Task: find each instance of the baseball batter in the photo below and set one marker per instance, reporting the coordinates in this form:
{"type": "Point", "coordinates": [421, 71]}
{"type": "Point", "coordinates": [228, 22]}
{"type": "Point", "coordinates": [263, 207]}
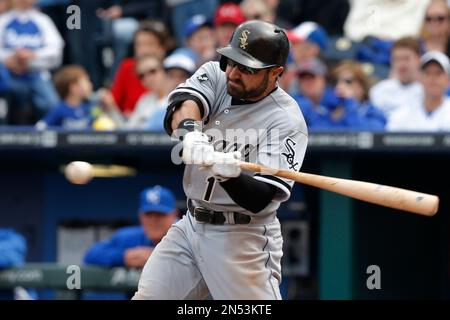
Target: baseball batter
{"type": "Point", "coordinates": [229, 243]}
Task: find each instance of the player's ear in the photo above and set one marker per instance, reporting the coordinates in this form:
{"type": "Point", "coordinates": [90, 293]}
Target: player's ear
{"type": "Point", "coordinates": [277, 72]}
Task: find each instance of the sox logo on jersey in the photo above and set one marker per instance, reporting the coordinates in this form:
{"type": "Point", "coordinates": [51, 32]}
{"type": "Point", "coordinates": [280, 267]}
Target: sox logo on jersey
{"type": "Point", "coordinates": [290, 155]}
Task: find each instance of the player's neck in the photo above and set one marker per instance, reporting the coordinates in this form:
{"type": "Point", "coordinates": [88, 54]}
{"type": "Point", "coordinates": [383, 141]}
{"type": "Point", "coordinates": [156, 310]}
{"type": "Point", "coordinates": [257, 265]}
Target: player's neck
{"type": "Point", "coordinates": [73, 101]}
{"type": "Point", "coordinates": [432, 103]}
{"type": "Point", "coordinates": [266, 92]}
{"type": "Point", "coordinates": [437, 43]}
{"type": "Point", "coordinates": [407, 81]}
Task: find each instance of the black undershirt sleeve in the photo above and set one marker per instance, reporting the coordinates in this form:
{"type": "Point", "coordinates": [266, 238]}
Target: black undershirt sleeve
{"type": "Point", "coordinates": [249, 193]}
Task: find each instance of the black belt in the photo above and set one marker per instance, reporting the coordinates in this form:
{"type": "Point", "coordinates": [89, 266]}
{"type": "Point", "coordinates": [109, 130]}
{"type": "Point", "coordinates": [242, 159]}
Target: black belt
{"type": "Point", "coordinates": [215, 217]}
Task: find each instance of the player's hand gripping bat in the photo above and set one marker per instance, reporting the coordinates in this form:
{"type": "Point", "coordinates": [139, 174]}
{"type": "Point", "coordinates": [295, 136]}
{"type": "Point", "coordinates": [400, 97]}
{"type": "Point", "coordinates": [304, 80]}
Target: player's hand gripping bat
{"type": "Point", "coordinates": [407, 200]}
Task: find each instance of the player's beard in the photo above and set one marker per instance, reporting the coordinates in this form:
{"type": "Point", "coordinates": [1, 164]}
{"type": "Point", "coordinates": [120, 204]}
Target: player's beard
{"type": "Point", "coordinates": [242, 93]}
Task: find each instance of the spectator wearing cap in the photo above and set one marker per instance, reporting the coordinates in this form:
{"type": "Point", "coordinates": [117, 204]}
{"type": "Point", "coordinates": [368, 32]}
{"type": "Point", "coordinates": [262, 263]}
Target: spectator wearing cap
{"type": "Point", "coordinates": [308, 41]}
{"type": "Point", "coordinates": [312, 80]}
{"type": "Point", "coordinates": [432, 112]}
{"type": "Point", "coordinates": [131, 246]}
{"type": "Point", "coordinates": [403, 87]}
{"type": "Point", "coordinates": [178, 68]}
{"type": "Point", "coordinates": [199, 39]}
{"type": "Point", "coordinates": [338, 108]}
{"type": "Point", "coordinates": [152, 38]}
{"type": "Point", "coordinates": [182, 10]}
{"type": "Point", "coordinates": [226, 18]}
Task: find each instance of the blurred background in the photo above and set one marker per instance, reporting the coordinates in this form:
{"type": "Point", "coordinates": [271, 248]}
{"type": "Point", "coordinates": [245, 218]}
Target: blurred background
{"type": "Point", "coordinates": [88, 80]}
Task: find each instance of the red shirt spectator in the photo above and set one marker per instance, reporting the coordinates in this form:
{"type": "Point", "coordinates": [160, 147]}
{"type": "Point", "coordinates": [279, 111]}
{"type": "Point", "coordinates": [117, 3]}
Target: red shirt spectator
{"type": "Point", "coordinates": [127, 88]}
{"type": "Point", "coordinates": [151, 38]}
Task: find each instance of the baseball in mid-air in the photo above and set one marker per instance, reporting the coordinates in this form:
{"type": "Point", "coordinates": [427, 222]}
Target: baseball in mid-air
{"type": "Point", "coordinates": [79, 172]}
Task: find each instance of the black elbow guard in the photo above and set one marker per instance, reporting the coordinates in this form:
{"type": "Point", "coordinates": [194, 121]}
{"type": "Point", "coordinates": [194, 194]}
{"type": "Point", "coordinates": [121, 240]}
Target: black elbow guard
{"type": "Point", "coordinates": [175, 104]}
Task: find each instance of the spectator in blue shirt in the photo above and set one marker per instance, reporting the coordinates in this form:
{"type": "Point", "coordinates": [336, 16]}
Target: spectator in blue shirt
{"type": "Point", "coordinates": [13, 248]}
{"type": "Point", "coordinates": [73, 111]}
{"type": "Point", "coordinates": [343, 107]}
{"type": "Point", "coordinates": [308, 41]}
{"type": "Point", "coordinates": [132, 246]}
{"type": "Point", "coordinates": [352, 89]}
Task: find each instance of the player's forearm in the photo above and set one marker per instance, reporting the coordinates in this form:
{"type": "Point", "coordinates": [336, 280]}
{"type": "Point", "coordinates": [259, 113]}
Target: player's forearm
{"type": "Point", "coordinates": [249, 193]}
{"type": "Point", "coordinates": [188, 110]}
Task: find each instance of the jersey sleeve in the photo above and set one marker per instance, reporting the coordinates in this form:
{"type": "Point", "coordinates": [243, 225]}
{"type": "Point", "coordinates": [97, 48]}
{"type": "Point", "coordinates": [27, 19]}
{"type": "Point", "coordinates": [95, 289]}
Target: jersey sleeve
{"type": "Point", "coordinates": [203, 85]}
{"type": "Point", "coordinates": [50, 55]}
{"type": "Point", "coordinates": [108, 253]}
{"type": "Point", "coordinates": [284, 150]}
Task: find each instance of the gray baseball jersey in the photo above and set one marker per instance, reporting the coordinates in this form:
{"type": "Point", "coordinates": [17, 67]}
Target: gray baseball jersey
{"type": "Point", "coordinates": [229, 261]}
{"type": "Point", "coordinates": [271, 132]}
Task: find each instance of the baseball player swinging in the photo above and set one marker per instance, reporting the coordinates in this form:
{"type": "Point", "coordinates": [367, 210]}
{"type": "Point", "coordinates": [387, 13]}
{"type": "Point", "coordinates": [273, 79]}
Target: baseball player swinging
{"type": "Point", "coordinates": [229, 243]}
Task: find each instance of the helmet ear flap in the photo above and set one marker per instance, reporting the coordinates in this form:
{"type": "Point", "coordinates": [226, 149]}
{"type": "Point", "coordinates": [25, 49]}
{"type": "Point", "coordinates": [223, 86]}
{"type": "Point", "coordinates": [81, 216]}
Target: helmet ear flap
{"type": "Point", "coordinates": [223, 63]}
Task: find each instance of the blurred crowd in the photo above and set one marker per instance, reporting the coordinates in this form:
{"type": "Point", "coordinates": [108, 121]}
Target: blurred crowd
{"type": "Point", "coordinates": [128, 247]}
{"type": "Point", "coordinates": [354, 65]}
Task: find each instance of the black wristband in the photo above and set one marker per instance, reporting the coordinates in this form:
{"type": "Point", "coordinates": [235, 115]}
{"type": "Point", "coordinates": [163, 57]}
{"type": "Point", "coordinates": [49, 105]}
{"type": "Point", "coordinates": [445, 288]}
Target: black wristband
{"type": "Point", "coordinates": [185, 126]}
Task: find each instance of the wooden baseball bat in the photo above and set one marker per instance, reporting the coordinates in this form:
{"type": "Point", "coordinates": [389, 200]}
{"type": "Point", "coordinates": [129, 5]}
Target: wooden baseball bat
{"type": "Point", "coordinates": [392, 197]}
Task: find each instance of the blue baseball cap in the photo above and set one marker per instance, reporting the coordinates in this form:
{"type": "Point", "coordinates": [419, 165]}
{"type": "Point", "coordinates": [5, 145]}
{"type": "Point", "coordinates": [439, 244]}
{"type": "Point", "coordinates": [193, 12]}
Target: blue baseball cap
{"type": "Point", "coordinates": [195, 23]}
{"type": "Point", "coordinates": [157, 199]}
{"type": "Point", "coordinates": [309, 31]}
